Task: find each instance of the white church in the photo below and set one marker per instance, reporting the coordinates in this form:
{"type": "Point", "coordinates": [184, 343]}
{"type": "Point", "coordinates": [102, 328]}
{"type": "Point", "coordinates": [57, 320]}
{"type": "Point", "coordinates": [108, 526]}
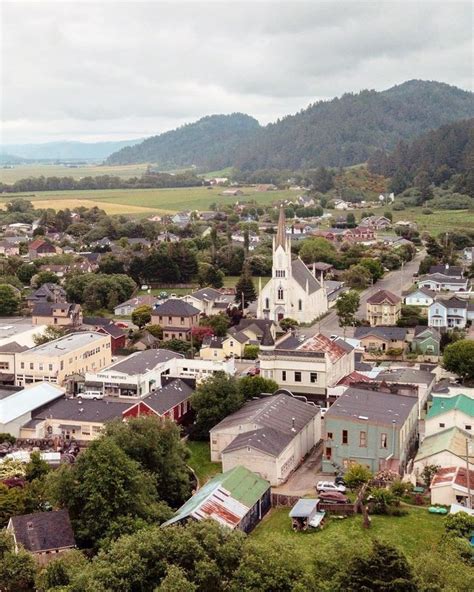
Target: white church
{"type": "Point", "coordinates": [293, 291]}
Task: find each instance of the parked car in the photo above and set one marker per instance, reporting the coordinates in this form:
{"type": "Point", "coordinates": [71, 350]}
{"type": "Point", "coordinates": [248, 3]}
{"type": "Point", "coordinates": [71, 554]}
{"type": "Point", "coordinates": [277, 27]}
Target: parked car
{"type": "Point", "coordinates": [339, 480]}
{"type": "Point", "coordinates": [333, 497]}
{"type": "Point", "coordinates": [253, 372]}
{"type": "Point", "coordinates": [95, 395]}
{"type": "Point", "coordinates": [330, 486]}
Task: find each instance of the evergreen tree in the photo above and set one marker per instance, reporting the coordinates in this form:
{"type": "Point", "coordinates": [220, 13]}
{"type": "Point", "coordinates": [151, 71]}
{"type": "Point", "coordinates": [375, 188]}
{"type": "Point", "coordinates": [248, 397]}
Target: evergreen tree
{"type": "Point", "coordinates": [245, 289]}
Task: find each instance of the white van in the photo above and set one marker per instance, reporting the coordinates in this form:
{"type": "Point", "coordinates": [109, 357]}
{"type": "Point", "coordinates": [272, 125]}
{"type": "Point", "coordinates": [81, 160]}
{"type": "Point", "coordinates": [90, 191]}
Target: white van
{"type": "Point", "coordinates": [96, 395]}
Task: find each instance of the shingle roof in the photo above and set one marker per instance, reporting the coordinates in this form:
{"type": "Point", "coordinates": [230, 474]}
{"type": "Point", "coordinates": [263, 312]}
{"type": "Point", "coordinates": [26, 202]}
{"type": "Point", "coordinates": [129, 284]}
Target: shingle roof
{"type": "Point", "coordinates": [78, 409]}
{"type": "Point", "coordinates": [266, 440]}
{"type": "Point", "coordinates": [45, 309]}
{"type": "Point", "coordinates": [372, 406]}
{"type": "Point", "coordinates": [383, 296]}
{"type": "Point", "coordinates": [206, 294]}
{"type": "Point", "coordinates": [276, 411]}
{"type": "Point", "coordinates": [168, 396]}
{"type": "Point", "coordinates": [382, 332]}
{"type": "Point", "coordinates": [213, 341]}
{"type": "Point", "coordinates": [304, 276]}
{"type": "Point", "coordinates": [141, 362]}
{"type": "Point", "coordinates": [406, 376]}
{"type": "Point", "coordinates": [444, 404]}
{"type": "Point", "coordinates": [420, 329]}
{"type": "Point", "coordinates": [439, 278]}
{"type": "Point", "coordinates": [175, 307]}
{"type": "Point", "coordinates": [13, 347]}
{"type": "Point", "coordinates": [43, 531]}
{"type": "Point", "coordinates": [451, 271]}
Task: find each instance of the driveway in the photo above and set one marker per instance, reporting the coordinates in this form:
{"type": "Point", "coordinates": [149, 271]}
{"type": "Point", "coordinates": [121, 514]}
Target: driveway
{"type": "Point", "coordinates": [304, 479]}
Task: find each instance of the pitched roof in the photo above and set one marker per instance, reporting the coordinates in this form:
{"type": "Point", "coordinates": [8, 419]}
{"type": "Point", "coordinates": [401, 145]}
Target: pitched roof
{"type": "Point", "coordinates": [26, 400]}
{"type": "Point", "coordinates": [280, 240]}
{"type": "Point", "coordinates": [266, 440]}
{"type": "Point", "coordinates": [445, 404]}
{"type": "Point", "coordinates": [454, 476]}
{"type": "Point", "coordinates": [383, 296]}
{"type": "Point", "coordinates": [226, 498]}
{"type": "Point", "coordinates": [213, 341]}
{"type": "Point", "coordinates": [320, 343]}
{"type": "Point", "coordinates": [371, 406]}
{"type": "Point", "coordinates": [452, 440]}
{"type": "Point", "coordinates": [421, 329]}
{"type": "Point", "coordinates": [43, 531]}
{"type": "Point", "coordinates": [406, 376]}
{"type": "Point", "coordinates": [13, 347]}
{"type": "Point", "coordinates": [206, 294]}
{"type": "Point", "coordinates": [449, 270]}
{"type": "Point", "coordinates": [141, 362]}
{"type": "Point", "coordinates": [174, 307]}
{"type": "Point", "coordinates": [168, 396]}
{"type": "Point", "coordinates": [441, 278]}
{"type": "Point", "coordinates": [382, 332]}
{"type": "Point", "coordinates": [46, 309]}
{"type": "Point", "coordinates": [267, 338]}
{"type": "Point", "coordinates": [80, 410]}
{"type": "Point", "coordinates": [303, 276]}
{"type": "Point", "coordinates": [275, 411]}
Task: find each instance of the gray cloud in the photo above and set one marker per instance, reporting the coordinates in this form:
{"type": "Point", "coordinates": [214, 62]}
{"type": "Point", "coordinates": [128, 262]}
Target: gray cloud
{"type": "Point", "coordinates": [111, 69]}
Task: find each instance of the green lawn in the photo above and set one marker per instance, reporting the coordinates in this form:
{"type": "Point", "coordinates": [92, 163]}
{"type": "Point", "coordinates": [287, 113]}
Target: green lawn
{"type": "Point", "coordinates": [410, 533]}
{"type": "Point", "coordinates": [229, 282]}
{"type": "Point", "coordinates": [435, 223]}
{"type": "Point", "coordinates": [200, 461]}
{"type": "Point", "coordinates": [24, 171]}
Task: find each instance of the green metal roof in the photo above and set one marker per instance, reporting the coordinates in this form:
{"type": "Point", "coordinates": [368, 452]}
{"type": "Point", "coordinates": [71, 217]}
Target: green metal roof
{"type": "Point", "coordinates": [444, 404]}
{"type": "Point", "coordinates": [452, 439]}
{"type": "Point", "coordinates": [243, 486]}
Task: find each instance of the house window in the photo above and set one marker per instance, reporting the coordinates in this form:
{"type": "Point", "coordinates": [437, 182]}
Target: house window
{"type": "Point", "coordinates": [467, 427]}
{"type": "Point", "coordinates": [4, 366]}
{"type": "Point", "coordinates": [280, 294]}
{"type": "Point", "coordinates": [313, 377]}
{"type": "Point", "coordinates": [50, 367]}
{"type": "Point", "coordinates": [31, 365]}
{"type": "Point", "coordinates": [297, 376]}
{"type": "Point", "coordinates": [170, 320]}
{"type": "Point", "coordinates": [363, 439]}
{"type": "Point", "coordinates": [442, 425]}
{"type": "Point", "coordinates": [300, 304]}
{"type": "Point", "coordinates": [231, 344]}
{"type": "Point", "coordinates": [182, 320]}
{"type": "Point", "coordinates": [22, 365]}
{"type": "Point", "coordinates": [329, 436]}
{"type": "Point", "coordinates": [328, 453]}
{"type": "Point", "coordinates": [383, 441]}
{"type": "Point", "coordinates": [345, 437]}
{"type": "Point", "coordinates": [283, 374]}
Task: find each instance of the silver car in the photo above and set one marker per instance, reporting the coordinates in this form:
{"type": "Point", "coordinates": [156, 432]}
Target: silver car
{"type": "Point", "coordinates": [330, 486]}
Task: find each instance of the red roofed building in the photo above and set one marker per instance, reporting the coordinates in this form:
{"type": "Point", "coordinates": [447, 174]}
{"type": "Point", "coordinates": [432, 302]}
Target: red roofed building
{"type": "Point", "coordinates": [383, 308]}
{"type": "Point", "coordinates": [41, 248]}
{"type": "Point", "coordinates": [450, 486]}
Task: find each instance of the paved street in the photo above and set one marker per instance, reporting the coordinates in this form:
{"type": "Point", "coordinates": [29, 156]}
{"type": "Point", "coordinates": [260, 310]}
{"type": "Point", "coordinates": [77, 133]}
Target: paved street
{"type": "Point", "coordinates": [395, 281]}
{"type": "Point", "coordinates": [304, 479]}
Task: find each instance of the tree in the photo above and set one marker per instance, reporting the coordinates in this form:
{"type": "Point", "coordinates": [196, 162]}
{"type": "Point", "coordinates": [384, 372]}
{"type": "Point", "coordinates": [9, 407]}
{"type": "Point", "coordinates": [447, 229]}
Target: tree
{"type": "Point", "coordinates": [287, 324]}
{"type": "Point", "coordinates": [25, 272]}
{"type": "Point", "coordinates": [251, 352]}
{"type": "Point", "coordinates": [105, 491]}
{"type": "Point", "coordinates": [350, 220]}
{"type": "Point", "coordinates": [200, 333]}
{"type": "Point", "coordinates": [357, 276]}
{"type": "Point", "coordinates": [317, 249]}
{"type": "Point", "coordinates": [177, 345]}
{"type": "Point", "coordinates": [44, 277]}
{"type": "Point", "coordinates": [459, 525]}
{"type": "Point", "coordinates": [49, 334]}
{"type": "Point", "coordinates": [385, 569]}
{"type": "Point", "coordinates": [62, 571]}
{"type": "Point", "coordinates": [428, 472]}
{"type": "Point", "coordinates": [156, 445]}
{"type": "Point", "coordinates": [374, 266]}
{"type": "Point", "coordinates": [253, 386]}
{"type": "Point", "coordinates": [141, 316]}
{"type": "Point", "coordinates": [356, 476]}
{"type": "Point", "coordinates": [155, 330]}
{"type": "Point", "coordinates": [211, 276]}
{"type": "Point", "coordinates": [214, 399]}
{"type": "Point", "coordinates": [219, 324]}
{"type": "Point", "coordinates": [17, 569]}
{"type": "Point", "coordinates": [245, 290]}
{"type": "Point", "coordinates": [36, 468]}
{"type": "Point", "coordinates": [433, 248]}
{"type": "Point", "coordinates": [459, 358]}
{"type": "Point", "coordinates": [346, 306]}
{"type": "Point", "coordinates": [9, 302]}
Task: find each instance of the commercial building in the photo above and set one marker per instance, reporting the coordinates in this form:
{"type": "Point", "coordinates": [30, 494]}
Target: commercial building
{"type": "Point", "coordinates": [269, 436]}
{"type": "Point", "coordinates": [55, 361]}
{"type": "Point", "coordinates": [375, 429]}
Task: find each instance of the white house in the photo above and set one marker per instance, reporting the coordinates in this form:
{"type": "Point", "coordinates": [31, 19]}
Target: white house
{"type": "Point", "coordinates": [293, 291]}
{"type": "Point", "coordinates": [446, 448]}
{"type": "Point", "coordinates": [208, 301]}
{"type": "Point", "coordinates": [449, 412]}
{"type": "Point", "coordinates": [448, 313]}
{"type": "Point", "coordinates": [438, 282]}
{"type": "Point", "coordinates": [450, 486]}
{"type": "Point", "coordinates": [270, 436]}
{"type": "Point", "coordinates": [421, 297]}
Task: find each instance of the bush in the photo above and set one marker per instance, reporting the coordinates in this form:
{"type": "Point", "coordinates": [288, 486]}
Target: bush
{"type": "Point", "coordinates": [251, 352]}
{"type": "Point", "coordinates": [400, 488]}
{"type": "Point", "coordinates": [4, 437]}
{"type": "Point", "coordinates": [427, 211]}
{"type": "Point", "coordinates": [356, 476]}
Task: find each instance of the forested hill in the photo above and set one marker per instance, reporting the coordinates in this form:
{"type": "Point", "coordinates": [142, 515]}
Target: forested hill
{"type": "Point", "coordinates": [340, 132]}
{"type": "Point", "coordinates": [211, 142]}
{"type": "Point", "coordinates": [437, 155]}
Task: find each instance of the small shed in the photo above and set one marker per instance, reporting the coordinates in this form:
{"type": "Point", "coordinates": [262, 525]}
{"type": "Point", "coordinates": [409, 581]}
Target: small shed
{"type": "Point", "coordinates": [305, 513]}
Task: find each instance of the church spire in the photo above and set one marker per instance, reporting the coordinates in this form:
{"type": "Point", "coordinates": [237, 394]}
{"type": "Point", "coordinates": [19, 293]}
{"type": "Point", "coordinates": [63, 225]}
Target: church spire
{"type": "Point", "coordinates": [281, 230]}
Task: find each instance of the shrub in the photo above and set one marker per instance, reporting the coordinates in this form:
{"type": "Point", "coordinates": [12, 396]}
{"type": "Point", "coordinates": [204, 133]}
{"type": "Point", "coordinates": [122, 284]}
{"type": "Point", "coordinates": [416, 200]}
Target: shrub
{"type": "Point", "coordinates": [251, 352]}
{"type": "Point", "coordinates": [356, 476]}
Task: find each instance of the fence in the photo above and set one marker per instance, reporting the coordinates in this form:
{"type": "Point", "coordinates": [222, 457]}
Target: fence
{"type": "Point", "coordinates": [345, 509]}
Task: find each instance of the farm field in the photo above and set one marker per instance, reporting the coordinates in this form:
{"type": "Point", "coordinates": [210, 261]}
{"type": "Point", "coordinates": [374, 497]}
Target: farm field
{"type": "Point", "coordinates": [23, 171]}
{"type": "Point", "coordinates": [410, 533]}
{"type": "Point", "coordinates": [157, 200]}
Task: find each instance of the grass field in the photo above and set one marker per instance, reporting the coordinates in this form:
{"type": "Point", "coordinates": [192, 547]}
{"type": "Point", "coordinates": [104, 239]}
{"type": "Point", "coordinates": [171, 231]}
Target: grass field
{"type": "Point", "coordinates": [229, 282]}
{"type": "Point", "coordinates": [157, 200]}
{"type": "Point", "coordinates": [24, 171]}
{"type": "Point", "coordinates": [410, 533]}
{"type": "Point", "coordinates": [200, 461]}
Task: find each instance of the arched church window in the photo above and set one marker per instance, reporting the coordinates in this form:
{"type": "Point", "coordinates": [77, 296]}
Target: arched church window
{"type": "Point", "coordinates": [280, 294]}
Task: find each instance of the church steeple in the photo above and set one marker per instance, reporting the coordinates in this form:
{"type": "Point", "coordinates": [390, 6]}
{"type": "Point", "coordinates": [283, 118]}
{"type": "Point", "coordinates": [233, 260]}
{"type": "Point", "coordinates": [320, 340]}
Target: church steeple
{"type": "Point", "coordinates": [281, 230]}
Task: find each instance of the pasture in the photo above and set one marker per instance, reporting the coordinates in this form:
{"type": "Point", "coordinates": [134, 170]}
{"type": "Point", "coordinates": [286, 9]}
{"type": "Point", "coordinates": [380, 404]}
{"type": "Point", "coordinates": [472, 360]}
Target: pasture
{"type": "Point", "coordinates": [23, 171]}
{"type": "Point", "coordinates": [137, 201]}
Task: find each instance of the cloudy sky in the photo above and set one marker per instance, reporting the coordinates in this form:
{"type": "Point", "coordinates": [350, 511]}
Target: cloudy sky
{"type": "Point", "coordinates": [109, 70]}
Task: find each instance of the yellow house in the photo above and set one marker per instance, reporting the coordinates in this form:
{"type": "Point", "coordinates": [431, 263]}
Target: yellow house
{"type": "Point", "coordinates": [383, 308]}
{"type": "Point", "coordinates": [76, 353]}
{"type": "Point", "coordinates": [220, 348]}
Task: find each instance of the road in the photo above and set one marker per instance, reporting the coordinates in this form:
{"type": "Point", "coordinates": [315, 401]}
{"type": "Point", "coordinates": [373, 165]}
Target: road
{"type": "Point", "coordinates": [394, 281]}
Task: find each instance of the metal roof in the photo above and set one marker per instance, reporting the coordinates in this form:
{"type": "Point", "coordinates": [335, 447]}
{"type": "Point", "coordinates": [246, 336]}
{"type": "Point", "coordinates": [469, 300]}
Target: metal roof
{"type": "Point", "coordinates": [452, 439]}
{"type": "Point", "coordinates": [141, 362]}
{"type": "Point", "coordinates": [227, 498]}
{"type": "Point", "coordinates": [303, 508]}
{"type": "Point", "coordinates": [27, 400]}
{"type": "Point", "coordinates": [266, 440]}
{"type": "Point", "coordinates": [444, 404]}
{"type": "Point", "coordinates": [80, 410]}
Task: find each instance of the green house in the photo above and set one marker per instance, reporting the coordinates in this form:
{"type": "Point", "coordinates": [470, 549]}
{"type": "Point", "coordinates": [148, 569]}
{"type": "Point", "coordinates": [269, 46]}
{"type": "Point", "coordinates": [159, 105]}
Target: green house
{"type": "Point", "coordinates": [426, 341]}
{"type": "Point", "coordinates": [372, 428]}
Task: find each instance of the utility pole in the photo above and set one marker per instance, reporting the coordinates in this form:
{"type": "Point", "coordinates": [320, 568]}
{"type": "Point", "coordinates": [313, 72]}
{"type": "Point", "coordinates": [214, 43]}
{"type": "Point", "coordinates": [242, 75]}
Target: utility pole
{"type": "Point", "coordinates": [401, 278]}
{"type": "Point", "coordinates": [468, 476]}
